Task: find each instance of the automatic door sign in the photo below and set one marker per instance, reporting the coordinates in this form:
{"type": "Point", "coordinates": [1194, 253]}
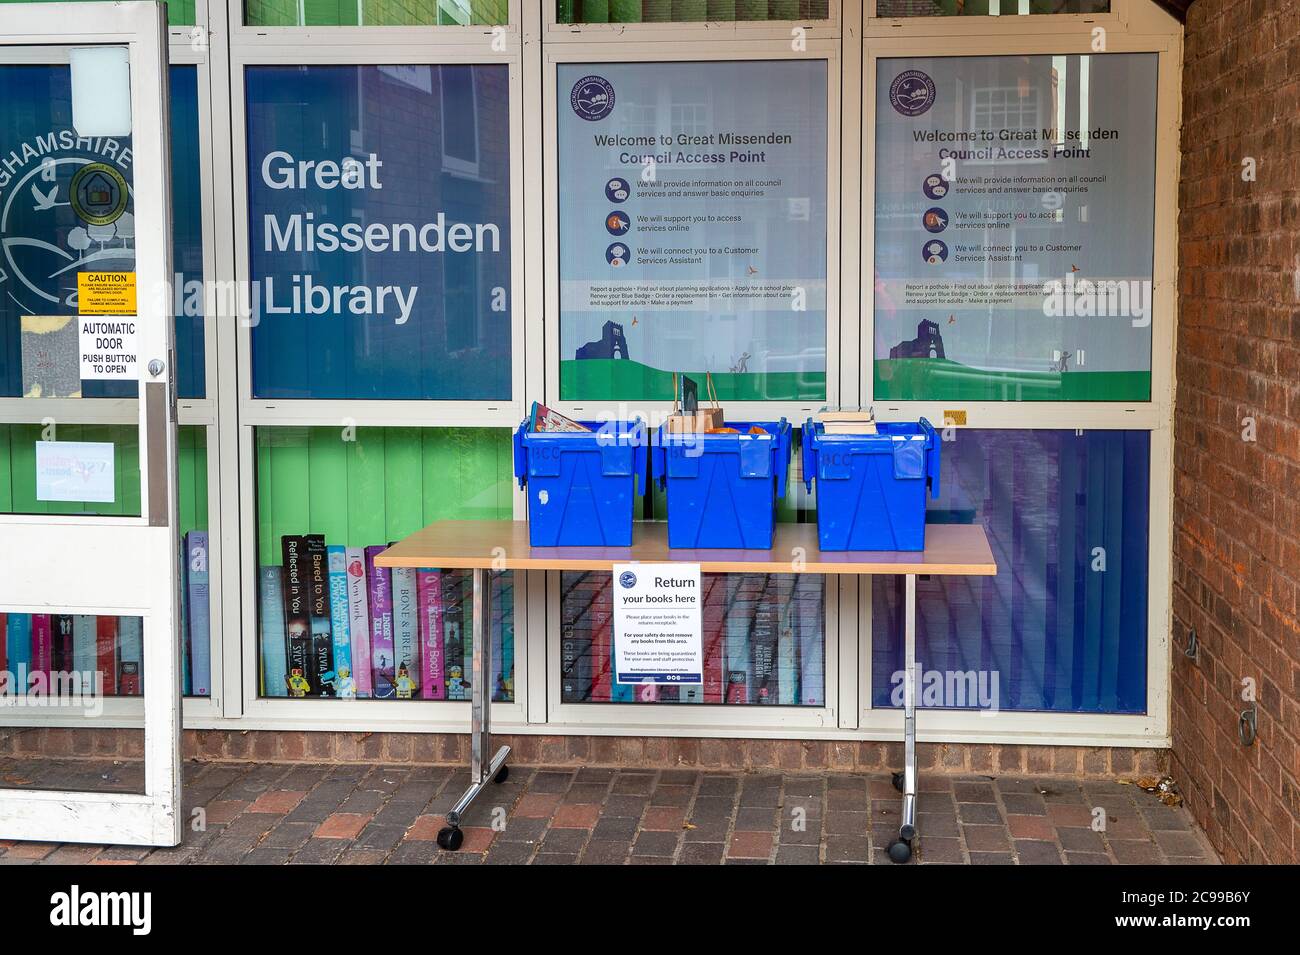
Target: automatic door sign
{"type": "Point", "coordinates": [657, 624]}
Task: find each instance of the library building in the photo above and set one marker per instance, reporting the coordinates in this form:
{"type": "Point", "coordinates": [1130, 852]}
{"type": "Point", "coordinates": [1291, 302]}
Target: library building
{"type": "Point", "coordinates": [599, 426]}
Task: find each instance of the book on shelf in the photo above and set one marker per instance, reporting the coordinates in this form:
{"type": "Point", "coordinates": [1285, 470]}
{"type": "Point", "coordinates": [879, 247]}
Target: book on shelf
{"type": "Point", "coordinates": [736, 646]}
{"type": "Point", "coordinates": [787, 657]}
{"type": "Point", "coordinates": [106, 659]}
{"type": "Point", "coordinates": [406, 634]}
{"type": "Point", "coordinates": [318, 610]}
{"type": "Point", "coordinates": [428, 585]}
{"type": "Point", "coordinates": [808, 617]}
{"type": "Point", "coordinates": [18, 649]}
{"type": "Point", "coordinates": [455, 623]}
{"type": "Point", "coordinates": [575, 641]}
{"type": "Point", "coordinates": [604, 685]}
{"type": "Point", "coordinates": [275, 649]}
{"type": "Point", "coordinates": [345, 685]}
{"type": "Point", "coordinates": [84, 649]}
{"type": "Point", "coordinates": [42, 649]}
{"type": "Point", "coordinates": [298, 663]}
{"type": "Point", "coordinates": [130, 681]}
{"type": "Point", "coordinates": [61, 645]}
{"type": "Point", "coordinates": [196, 581]}
{"type": "Point", "coordinates": [713, 617]}
{"type": "Point", "coordinates": [359, 620]}
{"type": "Point", "coordinates": [382, 670]}
{"type": "Point", "coordinates": [503, 662]}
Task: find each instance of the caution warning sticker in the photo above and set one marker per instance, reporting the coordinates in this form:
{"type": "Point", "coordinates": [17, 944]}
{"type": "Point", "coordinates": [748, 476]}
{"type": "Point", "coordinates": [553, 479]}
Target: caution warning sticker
{"type": "Point", "coordinates": [106, 293]}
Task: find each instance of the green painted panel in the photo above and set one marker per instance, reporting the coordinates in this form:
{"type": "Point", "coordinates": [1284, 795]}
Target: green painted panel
{"type": "Point", "coordinates": [288, 13]}
{"type": "Point", "coordinates": [378, 485]}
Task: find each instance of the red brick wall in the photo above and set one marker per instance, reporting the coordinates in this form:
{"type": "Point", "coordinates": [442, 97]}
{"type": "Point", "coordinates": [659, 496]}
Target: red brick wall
{"type": "Point", "coordinates": [1237, 502]}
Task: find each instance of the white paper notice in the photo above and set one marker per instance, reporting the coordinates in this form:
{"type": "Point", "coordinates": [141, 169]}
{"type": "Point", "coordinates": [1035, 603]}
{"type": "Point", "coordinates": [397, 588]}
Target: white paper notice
{"type": "Point", "coordinates": [75, 471]}
{"type": "Point", "coordinates": [657, 624]}
{"type": "Point", "coordinates": [109, 350]}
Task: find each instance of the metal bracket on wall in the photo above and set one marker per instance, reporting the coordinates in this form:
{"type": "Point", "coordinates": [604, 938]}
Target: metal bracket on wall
{"type": "Point", "coordinates": [1193, 644]}
{"type": "Point", "coordinates": [1248, 725]}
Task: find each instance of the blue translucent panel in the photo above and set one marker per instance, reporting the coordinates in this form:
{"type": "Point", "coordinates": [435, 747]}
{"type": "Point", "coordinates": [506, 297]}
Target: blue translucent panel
{"type": "Point", "coordinates": [1063, 625]}
{"type": "Point", "coordinates": [394, 281]}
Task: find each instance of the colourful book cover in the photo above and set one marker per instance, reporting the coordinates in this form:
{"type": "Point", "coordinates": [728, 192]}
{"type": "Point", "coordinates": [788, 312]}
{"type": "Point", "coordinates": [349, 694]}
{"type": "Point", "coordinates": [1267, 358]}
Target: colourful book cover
{"type": "Point", "coordinates": [318, 610]}
{"type": "Point", "coordinates": [275, 649]}
{"type": "Point", "coordinates": [381, 626]}
{"type": "Point", "coordinates": [84, 649]}
{"type": "Point", "coordinates": [359, 621]}
{"type": "Point", "coordinates": [42, 653]}
{"type": "Point", "coordinates": [406, 633]}
{"type": "Point", "coordinates": [18, 641]}
{"type": "Point", "coordinates": [714, 635]}
{"type": "Point", "coordinates": [433, 684]}
{"type": "Point", "coordinates": [130, 681]}
{"type": "Point", "coordinates": [575, 640]}
{"type": "Point", "coordinates": [296, 616]}
{"type": "Point", "coordinates": [503, 663]}
{"type": "Point", "coordinates": [106, 654]}
{"type": "Point", "coordinates": [345, 684]}
{"type": "Point", "coordinates": [808, 623]}
{"type": "Point", "coordinates": [197, 581]}
{"type": "Point", "coordinates": [455, 621]}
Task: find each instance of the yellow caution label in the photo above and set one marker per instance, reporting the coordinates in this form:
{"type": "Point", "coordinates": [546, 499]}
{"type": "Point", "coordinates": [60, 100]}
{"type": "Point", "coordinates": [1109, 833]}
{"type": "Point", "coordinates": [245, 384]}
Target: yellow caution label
{"type": "Point", "coordinates": [955, 417]}
{"type": "Point", "coordinates": [106, 293]}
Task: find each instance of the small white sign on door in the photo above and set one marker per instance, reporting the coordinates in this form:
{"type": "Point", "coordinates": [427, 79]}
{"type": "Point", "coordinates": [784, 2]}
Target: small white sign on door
{"type": "Point", "coordinates": [75, 471]}
{"type": "Point", "coordinates": [109, 350]}
{"type": "Point", "coordinates": [657, 624]}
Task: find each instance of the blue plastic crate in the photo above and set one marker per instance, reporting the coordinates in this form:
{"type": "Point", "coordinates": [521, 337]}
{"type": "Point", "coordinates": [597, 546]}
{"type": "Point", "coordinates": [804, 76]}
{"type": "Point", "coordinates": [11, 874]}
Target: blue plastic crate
{"type": "Point", "coordinates": [871, 487]}
{"type": "Point", "coordinates": [722, 488]}
{"type": "Point", "coordinates": [581, 485]}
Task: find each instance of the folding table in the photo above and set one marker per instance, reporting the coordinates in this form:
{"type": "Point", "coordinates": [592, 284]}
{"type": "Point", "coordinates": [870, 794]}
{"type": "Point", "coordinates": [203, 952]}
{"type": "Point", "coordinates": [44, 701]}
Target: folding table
{"type": "Point", "coordinates": [485, 547]}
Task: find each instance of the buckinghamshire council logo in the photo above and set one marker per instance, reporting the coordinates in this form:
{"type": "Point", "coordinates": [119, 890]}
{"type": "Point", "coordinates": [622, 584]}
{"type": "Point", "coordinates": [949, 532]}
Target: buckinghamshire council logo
{"type": "Point", "coordinates": [627, 579]}
{"type": "Point", "coordinates": [912, 92]}
{"type": "Point", "coordinates": [65, 207]}
{"type": "Point", "coordinates": [592, 98]}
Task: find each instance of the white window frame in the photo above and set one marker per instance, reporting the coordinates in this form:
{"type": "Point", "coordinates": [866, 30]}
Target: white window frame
{"type": "Point", "coordinates": [374, 45]}
{"type": "Point", "coordinates": [716, 31]}
{"type": "Point", "coordinates": [188, 46]}
{"type": "Point", "coordinates": [1151, 729]}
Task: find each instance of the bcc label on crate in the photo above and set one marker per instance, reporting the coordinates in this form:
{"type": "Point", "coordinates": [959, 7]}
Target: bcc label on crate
{"type": "Point", "coordinates": [106, 293]}
{"type": "Point", "coordinates": [657, 624]}
{"type": "Point", "coordinates": [108, 349]}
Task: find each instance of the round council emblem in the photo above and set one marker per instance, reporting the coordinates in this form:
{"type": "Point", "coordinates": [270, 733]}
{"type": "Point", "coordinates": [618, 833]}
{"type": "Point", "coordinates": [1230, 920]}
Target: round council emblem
{"type": "Point", "coordinates": [98, 193]}
{"type": "Point", "coordinates": [592, 98]}
{"type": "Point", "coordinates": [912, 92]}
{"type": "Point", "coordinates": [627, 579]}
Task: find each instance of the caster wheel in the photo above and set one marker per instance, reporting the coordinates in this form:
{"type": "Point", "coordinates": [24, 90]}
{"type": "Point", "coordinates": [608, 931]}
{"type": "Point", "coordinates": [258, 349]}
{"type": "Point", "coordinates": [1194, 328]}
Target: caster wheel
{"type": "Point", "coordinates": [897, 780]}
{"type": "Point", "coordinates": [899, 852]}
{"type": "Point", "coordinates": [451, 838]}
{"type": "Point", "coordinates": [502, 775]}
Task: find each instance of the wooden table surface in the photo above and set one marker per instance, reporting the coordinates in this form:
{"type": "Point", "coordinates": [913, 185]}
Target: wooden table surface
{"type": "Point", "coordinates": [951, 549]}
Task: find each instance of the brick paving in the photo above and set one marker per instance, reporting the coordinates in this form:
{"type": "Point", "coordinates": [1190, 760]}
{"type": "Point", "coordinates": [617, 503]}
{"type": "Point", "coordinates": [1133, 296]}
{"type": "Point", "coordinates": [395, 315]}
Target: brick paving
{"type": "Point", "coordinates": [356, 814]}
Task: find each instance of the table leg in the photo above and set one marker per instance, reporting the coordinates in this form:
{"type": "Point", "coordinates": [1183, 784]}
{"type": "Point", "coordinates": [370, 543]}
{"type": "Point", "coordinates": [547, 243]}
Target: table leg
{"type": "Point", "coordinates": [901, 850]}
{"type": "Point", "coordinates": [480, 714]}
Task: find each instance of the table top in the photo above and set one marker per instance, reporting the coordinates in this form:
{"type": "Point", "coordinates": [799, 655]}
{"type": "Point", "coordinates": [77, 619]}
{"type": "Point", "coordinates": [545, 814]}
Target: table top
{"type": "Point", "coordinates": [951, 549]}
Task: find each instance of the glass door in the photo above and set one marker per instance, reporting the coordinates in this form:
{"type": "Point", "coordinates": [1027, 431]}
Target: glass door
{"type": "Point", "coordinates": [88, 503]}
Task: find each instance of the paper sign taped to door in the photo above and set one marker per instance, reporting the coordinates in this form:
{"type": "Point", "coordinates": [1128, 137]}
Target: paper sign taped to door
{"type": "Point", "coordinates": [108, 349]}
{"type": "Point", "coordinates": [75, 471]}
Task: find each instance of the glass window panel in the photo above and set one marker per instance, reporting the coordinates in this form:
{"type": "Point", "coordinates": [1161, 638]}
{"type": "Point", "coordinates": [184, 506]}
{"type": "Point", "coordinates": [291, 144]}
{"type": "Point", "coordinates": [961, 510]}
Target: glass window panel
{"type": "Point", "coordinates": [328, 500]}
{"type": "Point", "coordinates": [764, 642]}
{"type": "Point", "coordinates": [380, 231]}
{"type": "Point", "coordinates": [1063, 625]}
{"type": "Point", "coordinates": [1014, 224]}
{"type": "Point", "coordinates": [46, 241]}
{"type": "Point", "coordinates": [683, 11]}
{"type": "Point", "coordinates": [983, 8]}
{"type": "Point", "coordinates": [692, 224]}
{"type": "Point", "coordinates": [351, 13]}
